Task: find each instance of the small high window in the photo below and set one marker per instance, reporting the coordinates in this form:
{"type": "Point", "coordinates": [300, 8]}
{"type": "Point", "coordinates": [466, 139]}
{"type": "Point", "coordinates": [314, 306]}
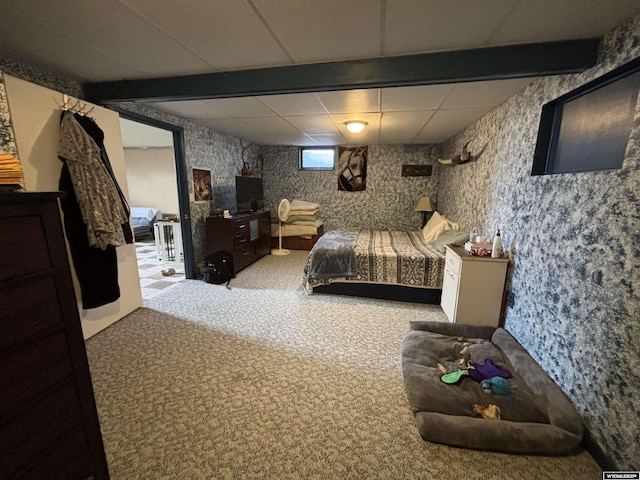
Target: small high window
{"type": "Point", "coordinates": [317, 158]}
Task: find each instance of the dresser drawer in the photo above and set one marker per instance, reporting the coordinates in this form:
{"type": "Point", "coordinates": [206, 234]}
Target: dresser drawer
{"type": "Point", "coordinates": [47, 363]}
{"type": "Point", "coordinates": [38, 429]}
{"type": "Point", "coordinates": [23, 246]}
{"type": "Point", "coordinates": [240, 227]}
{"type": "Point", "coordinates": [240, 239]}
{"type": "Point", "coordinates": [453, 262]}
{"type": "Point", "coordinates": [28, 309]}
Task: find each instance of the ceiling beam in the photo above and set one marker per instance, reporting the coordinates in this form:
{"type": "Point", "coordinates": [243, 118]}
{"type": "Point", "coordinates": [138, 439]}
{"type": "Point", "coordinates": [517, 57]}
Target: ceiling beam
{"type": "Point", "coordinates": [492, 63]}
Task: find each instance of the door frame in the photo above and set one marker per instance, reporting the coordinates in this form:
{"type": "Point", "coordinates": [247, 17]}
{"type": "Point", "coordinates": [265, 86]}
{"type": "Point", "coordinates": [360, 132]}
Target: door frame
{"type": "Point", "coordinates": [181, 179]}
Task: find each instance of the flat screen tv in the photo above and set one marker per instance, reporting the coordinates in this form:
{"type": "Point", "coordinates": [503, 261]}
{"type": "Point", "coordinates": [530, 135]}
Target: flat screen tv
{"type": "Point", "coordinates": [249, 194]}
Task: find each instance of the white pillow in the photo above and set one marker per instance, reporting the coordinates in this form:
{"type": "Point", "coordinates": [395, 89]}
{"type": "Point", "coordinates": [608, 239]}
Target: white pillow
{"type": "Point", "coordinates": [436, 226]}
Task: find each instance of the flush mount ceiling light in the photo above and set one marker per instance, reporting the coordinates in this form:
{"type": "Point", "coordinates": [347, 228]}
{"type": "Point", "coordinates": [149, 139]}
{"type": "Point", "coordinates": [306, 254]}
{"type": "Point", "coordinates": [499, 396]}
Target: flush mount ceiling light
{"type": "Point", "coordinates": [355, 126]}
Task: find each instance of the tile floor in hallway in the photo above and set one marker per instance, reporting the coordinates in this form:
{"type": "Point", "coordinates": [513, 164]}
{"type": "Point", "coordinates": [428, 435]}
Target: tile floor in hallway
{"type": "Point", "coordinates": [152, 282]}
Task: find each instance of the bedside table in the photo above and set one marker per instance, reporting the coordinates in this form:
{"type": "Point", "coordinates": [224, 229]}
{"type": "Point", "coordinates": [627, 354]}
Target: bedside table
{"type": "Point", "coordinates": [472, 287]}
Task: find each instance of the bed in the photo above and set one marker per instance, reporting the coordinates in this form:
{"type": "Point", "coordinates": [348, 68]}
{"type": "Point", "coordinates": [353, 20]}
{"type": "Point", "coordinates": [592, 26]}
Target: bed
{"type": "Point", "coordinates": [143, 218]}
{"type": "Point", "coordinates": [391, 265]}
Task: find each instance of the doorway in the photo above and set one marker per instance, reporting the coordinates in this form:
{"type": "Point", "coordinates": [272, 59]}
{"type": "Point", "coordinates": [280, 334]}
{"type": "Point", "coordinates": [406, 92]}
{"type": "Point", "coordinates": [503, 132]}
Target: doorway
{"type": "Point", "coordinates": [154, 161]}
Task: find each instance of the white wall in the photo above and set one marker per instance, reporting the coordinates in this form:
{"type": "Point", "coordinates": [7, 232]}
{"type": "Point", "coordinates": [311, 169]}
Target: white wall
{"type": "Point", "coordinates": [36, 119]}
{"type": "Point", "coordinates": [151, 176]}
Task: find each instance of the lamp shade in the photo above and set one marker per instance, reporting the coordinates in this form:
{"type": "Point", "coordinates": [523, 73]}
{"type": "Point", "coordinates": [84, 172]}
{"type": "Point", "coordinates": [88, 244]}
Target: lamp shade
{"type": "Point", "coordinates": [424, 205]}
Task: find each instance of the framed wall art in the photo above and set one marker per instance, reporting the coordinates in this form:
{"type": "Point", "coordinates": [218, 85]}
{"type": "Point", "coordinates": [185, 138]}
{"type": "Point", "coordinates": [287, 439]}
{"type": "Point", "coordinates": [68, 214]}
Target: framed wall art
{"type": "Point", "coordinates": [202, 190]}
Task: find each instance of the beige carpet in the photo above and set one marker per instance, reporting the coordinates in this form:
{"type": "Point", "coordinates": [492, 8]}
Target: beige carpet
{"type": "Point", "coordinates": [263, 381]}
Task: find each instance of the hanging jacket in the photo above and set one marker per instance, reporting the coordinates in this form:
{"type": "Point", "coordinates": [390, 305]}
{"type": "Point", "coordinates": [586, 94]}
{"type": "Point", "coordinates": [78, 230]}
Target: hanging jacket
{"type": "Point", "coordinates": [95, 190]}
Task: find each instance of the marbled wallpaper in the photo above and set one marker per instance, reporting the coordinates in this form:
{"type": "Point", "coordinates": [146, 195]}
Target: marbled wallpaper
{"type": "Point", "coordinates": [7, 137]}
{"type": "Point", "coordinates": [388, 202]}
{"type": "Point", "coordinates": [574, 240]}
{"type": "Point", "coordinates": [209, 149]}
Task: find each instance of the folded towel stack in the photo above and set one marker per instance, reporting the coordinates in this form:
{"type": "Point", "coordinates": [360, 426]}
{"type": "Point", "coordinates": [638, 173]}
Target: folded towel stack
{"type": "Point", "coordinates": [303, 213]}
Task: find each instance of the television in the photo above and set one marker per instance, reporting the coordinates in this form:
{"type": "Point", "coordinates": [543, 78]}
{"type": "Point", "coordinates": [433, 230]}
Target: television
{"type": "Point", "coordinates": [249, 194]}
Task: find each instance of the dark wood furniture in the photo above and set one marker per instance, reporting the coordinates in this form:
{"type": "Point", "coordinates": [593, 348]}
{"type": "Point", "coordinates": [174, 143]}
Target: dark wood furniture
{"type": "Point", "coordinates": [297, 243]}
{"type": "Point", "coordinates": [245, 238]}
{"type": "Point", "coordinates": [48, 420]}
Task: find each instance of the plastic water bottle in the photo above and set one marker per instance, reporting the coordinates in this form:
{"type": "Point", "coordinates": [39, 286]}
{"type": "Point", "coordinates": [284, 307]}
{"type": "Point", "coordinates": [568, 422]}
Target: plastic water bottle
{"type": "Point", "coordinates": [496, 248]}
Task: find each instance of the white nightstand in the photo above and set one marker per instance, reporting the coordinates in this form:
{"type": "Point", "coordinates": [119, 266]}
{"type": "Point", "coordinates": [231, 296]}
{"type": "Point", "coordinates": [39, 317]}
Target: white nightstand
{"type": "Point", "coordinates": [472, 287]}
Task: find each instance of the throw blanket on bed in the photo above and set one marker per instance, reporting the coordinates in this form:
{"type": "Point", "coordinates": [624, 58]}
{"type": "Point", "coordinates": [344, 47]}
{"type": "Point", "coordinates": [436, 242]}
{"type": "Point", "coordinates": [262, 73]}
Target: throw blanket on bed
{"type": "Point", "coordinates": [333, 256]}
{"type": "Point", "coordinates": [401, 258]}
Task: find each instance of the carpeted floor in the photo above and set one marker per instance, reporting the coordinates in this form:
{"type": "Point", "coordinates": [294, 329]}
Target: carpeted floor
{"type": "Point", "coordinates": [265, 382]}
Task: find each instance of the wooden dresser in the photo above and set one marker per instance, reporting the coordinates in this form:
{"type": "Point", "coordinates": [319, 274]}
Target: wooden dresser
{"type": "Point", "coordinates": [48, 419]}
{"type": "Point", "coordinates": [245, 238]}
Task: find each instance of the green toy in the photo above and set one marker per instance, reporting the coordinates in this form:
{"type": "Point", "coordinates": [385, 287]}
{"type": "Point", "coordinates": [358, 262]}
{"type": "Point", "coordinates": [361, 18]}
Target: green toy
{"type": "Point", "coordinates": [454, 377]}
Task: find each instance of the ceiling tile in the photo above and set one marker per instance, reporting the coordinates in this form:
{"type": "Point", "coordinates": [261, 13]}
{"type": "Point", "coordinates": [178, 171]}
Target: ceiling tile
{"type": "Point", "coordinates": [406, 99]}
{"type": "Point", "coordinates": [294, 104]}
{"type": "Point", "coordinates": [446, 123]}
{"type": "Point", "coordinates": [313, 31]}
{"type": "Point", "coordinates": [232, 126]}
{"type": "Point", "coordinates": [549, 20]}
{"type": "Point", "coordinates": [483, 94]}
{"type": "Point", "coordinates": [41, 45]}
{"type": "Point", "coordinates": [414, 26]}
{"type": "Point", "coordinates": [402, 127]}
{"type": "Point", "coordinates": [193, 109]}
{"type": "Point", "coordinates": [333, 139]}
{"type": "Point", "coordinates": [226, 34]}
{"type": "Point", "coordinates": [114, 30]}
{"type": "Point", "coordinates": [273, 125]}
{"type": "Point", "coordinates": [313, 124]}
{"type": "Point", "coordinates": [351, 101]}
{"type": "Point", "coordinates": [240, 107]}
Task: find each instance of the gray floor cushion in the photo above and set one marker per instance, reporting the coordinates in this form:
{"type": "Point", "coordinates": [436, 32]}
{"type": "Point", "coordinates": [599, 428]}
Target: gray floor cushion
{"type": "Point", "coordinates": [536, 417]}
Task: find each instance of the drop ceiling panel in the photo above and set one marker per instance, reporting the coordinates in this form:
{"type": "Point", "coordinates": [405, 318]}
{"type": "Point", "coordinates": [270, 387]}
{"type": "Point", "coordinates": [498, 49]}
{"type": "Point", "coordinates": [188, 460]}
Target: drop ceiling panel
{"type": "Point", "coordinates": [483, 94]}
{"type": "Point", "coordinates": [328, 140]}
{"type": "Point", "coordinates": [226, 34]}
{"type": "Point", "coordinates": [273, 125]}
{"type": "Point", "coordinates": [429, 25]}
{"type": "Point", "coordinates": [446, 123]}
{"type": "Point", "coordinates": [24, 38]}
{"type": "Point", "coordinates": [548, 20]}
{"type": "Point", "coordinates": [406, 99]}
{"type": "Point", "coordinates": [298, 140]}
{"type": "Point", "coordinates": [313, 124]}
{"type": "Point", "coordinates": [402, 127]}
{"type": "Point", "coordinates": [232, 126]}
{"type": "Point", "coordinates": [113, 29]}
{"type": "Point", "coordinates": [241, 107]}
{"type": "Point", "coordinates": [192, 109]}
{"type": "Point", "coordinates": [313, 31]}
{"type": "Point", "coordinates": [294, 104]}
{"type": "Point", "coordinates": [351, 101]}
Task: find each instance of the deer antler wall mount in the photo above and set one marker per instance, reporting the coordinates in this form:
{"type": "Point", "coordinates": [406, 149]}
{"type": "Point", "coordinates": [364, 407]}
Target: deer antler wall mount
{"type": "Point", "coordinates": [247, 170]}
{"type": "Point", "coordinates": [464, 157]}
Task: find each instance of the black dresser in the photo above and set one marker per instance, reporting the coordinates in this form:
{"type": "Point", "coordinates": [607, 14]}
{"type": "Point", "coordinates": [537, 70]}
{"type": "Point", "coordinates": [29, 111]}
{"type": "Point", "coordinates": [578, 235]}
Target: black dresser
{"type": "Point", "coordinates": [245, 238]}
{"type": "Point", "coordinates": [48, 419]}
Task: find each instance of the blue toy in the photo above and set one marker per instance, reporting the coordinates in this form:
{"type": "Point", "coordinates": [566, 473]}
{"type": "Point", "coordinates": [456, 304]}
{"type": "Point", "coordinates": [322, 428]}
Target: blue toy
{"type": "Point", "coordinates": [497, 385]}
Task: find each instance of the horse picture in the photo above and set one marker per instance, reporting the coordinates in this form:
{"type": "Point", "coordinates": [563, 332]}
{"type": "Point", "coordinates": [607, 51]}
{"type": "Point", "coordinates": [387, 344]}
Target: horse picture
{"type": "Point", "coordinates": [352, 165]}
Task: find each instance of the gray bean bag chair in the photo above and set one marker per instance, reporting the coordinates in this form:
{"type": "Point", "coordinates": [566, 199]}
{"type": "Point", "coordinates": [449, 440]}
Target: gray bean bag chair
{"type": "Point", "coordinates": [536, 418]}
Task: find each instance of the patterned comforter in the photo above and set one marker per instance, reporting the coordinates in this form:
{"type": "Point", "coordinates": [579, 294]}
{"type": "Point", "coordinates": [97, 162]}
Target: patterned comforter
{"type": "Point", "coordinates": [387, 257]}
